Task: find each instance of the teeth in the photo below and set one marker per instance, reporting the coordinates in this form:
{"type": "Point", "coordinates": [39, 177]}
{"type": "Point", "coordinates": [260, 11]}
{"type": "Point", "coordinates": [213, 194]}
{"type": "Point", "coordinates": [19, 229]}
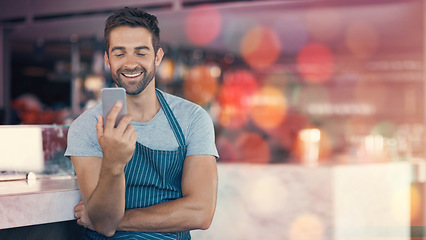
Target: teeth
{"type": "Point", "coordinates": [132, 75]}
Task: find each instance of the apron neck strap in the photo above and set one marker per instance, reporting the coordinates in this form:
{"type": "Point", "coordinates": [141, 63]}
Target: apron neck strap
{"type": "Point", "coordinates": [177, 130]}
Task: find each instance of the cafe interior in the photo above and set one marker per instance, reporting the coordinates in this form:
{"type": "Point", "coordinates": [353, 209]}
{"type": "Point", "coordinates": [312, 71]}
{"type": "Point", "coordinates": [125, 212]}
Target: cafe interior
{"type": "Point", "coordinates": [318, 109]}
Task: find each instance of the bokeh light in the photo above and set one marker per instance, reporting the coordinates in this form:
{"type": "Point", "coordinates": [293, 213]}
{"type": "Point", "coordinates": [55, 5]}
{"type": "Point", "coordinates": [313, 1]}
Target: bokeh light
{"type": "Point", "coordinates": [94, 83]}
{"type": "Point", "coordinates": [324, 24]}
{"type": "Point", "coordinates": [362, 39]}
{"type": "Point", "coordinates": [307, 226]}
{"type": "Point", "coordinates": [315, 62]}
{"type": "Point", "coordinates": [203, 24]}
{"type": "Point", "coordinates": [234, 96]}
{"type": "Point", "coordinates": [416, 203]}
{"type": "Point", "coordinates": [268, 107]}
{"type": "Point", "coordinates": [260, 47]}
{"type": "Point", "coordinates": [252, 148]}
{"type": "Point", "coordinates": [227, 150]}
{"type": "Point", "coordinates": [200, 84]}
{"type": "Point", "coordinates": [166, 70]}
{"type": "Point", "coordinates": [325, 147]}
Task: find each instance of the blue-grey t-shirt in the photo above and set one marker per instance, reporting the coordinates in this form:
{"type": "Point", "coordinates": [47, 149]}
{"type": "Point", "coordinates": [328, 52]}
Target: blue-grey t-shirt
{"type": "Point", "coordinates": [195, 122]}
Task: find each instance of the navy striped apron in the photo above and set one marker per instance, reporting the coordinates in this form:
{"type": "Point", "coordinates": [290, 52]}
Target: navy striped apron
{"type": "Point", "coordinates": [152, 177]}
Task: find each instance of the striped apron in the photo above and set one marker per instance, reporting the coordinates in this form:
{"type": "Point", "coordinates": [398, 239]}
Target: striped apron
{"type": "Point", "coordinates": [153, 177]}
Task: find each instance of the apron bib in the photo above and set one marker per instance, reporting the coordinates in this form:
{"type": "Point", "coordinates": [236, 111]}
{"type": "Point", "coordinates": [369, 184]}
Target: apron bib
{"type": "Point", "coordinates": [153, 177]}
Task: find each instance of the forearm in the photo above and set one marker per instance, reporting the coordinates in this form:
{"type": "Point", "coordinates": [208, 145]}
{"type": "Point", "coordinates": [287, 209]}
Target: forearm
{"type": "Point", "coordinates": [106, 205]}
{"type": "Point", "coordinates": [179, 215]}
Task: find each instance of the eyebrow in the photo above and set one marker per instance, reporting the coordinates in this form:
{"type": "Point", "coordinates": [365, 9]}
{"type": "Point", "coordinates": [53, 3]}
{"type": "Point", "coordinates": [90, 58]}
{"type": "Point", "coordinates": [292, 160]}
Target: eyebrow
{"type": "Point", "coordinates": [142, 48]}
{"type": "Point", "coordinates": [117, 48]}
{"type": "Point", "coordinates": [123, 48]}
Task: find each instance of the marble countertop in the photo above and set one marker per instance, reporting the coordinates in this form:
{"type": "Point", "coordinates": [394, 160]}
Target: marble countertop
{"type": "Point", "coordinates": [37, 201]}
{"type": "Point", "coordinates": [259, 201]}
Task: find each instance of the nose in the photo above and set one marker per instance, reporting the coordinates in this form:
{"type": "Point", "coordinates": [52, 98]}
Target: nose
{"type": "Point", "coordinates": [131, 62]}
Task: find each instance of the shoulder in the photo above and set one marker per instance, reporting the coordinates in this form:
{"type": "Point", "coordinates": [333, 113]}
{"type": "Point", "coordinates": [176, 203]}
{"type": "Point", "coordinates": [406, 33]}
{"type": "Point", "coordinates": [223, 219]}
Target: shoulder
{"type": "Point", "coordinates": [82, 139]}
{"type": "Point", "coordinates": [87, 119]}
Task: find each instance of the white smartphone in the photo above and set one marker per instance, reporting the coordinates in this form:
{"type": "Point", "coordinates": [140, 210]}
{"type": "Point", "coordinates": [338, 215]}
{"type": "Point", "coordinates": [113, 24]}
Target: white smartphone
{"type": "Point", "coordinates": [110, 96]}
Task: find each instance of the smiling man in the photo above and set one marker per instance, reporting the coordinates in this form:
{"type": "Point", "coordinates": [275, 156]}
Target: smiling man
{"type": "Point", "coordinates": [153, 176]}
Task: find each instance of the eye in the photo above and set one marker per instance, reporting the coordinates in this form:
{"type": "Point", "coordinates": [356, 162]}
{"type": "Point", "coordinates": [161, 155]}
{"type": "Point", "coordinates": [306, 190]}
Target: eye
{"type": "Point", "coordinates": [141, 54]}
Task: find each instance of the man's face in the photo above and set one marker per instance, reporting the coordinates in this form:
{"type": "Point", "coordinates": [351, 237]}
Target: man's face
{"type": "Point", "coordinates": [131, 59]}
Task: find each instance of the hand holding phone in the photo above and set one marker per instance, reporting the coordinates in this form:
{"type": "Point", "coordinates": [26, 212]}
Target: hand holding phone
{"type": "Point", "coordinates": [110, 96]}
{"type": "Point", "coordinates": [118, 143]}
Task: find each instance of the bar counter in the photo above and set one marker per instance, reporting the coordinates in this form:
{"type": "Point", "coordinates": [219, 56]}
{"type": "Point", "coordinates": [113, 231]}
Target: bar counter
{"type": "Point", "coordinates": [37, 201]}
{"type": "Point", "coordinates": [276, 201]}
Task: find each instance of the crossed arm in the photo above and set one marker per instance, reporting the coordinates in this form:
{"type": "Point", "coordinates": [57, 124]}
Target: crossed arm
{"type": "Point", "coordinates": [194, 210]}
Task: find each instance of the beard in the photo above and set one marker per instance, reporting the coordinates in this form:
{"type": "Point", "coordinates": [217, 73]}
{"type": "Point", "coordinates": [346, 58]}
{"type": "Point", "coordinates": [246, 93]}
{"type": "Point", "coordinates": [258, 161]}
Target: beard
{"type": "Point", "coordinates": [137, 87]}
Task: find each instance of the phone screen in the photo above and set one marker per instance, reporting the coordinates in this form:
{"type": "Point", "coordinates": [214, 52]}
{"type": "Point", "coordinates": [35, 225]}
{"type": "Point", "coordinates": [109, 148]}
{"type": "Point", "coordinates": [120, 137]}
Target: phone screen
{"type": "Point", "coordinates": [110, 96]}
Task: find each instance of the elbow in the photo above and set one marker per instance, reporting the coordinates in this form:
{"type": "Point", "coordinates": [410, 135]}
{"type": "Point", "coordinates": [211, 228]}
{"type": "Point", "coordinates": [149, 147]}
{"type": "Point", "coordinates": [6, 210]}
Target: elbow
{"type": "Point", "coordinates": [205, 225]}
{"type": "Point", "coordinates": [106, 225]}
{"type": "Point", "coordinates": [107, 232]}
{"type": "Point", "coordinates": [205, 220]}
{"type": "Point", "coordinates": [107, 229]}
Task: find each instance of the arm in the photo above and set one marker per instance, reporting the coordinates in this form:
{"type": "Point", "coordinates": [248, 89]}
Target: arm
{"type": "Point", "coordinates": [101, 180]}
{"type": "Point", "coordinates": [194, 210]}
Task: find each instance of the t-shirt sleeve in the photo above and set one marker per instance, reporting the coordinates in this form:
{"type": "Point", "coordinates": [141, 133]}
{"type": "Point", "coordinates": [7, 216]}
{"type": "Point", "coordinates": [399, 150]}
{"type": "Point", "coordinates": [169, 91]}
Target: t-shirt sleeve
{"type": "Point", "coordinates": [201, 134]}
{"type": "Point", "coordinates": [81, 139]}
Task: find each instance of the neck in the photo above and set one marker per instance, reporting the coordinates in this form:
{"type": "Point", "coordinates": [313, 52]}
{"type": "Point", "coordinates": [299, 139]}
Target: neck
{"type": "Point", "coordinates": [144, 106]}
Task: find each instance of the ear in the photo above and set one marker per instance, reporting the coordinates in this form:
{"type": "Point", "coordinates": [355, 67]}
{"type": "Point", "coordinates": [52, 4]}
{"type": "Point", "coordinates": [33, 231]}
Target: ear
{"type": "Point", "coordinates": [159, 56]}
{"type": "Point", "coordinates": [106, 58]}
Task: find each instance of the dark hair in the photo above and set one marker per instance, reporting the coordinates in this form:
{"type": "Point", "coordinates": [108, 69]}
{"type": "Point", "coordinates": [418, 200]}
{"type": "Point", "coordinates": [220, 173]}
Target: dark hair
{"type": "Point", "coordinates": [133, 17]}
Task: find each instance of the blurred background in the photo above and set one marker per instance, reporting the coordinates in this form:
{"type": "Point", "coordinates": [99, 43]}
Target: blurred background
{"type": "Point", "coordinates": [316, 82]}
{"type": "Point", "coordinates": [264, 70]}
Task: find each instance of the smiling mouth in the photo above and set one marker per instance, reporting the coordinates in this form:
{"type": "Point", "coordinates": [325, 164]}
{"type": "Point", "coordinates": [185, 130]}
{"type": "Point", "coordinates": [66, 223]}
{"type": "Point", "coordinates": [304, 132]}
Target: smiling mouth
{"type": "Point", "coordinates": [132, 75]}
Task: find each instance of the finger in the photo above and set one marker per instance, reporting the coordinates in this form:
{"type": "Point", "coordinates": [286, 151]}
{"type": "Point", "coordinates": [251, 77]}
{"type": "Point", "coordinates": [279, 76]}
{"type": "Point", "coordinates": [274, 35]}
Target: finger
{"type": "Point", "coordinates": [79, 222]}
{"type": "Point", "coordinates": [112, 116]}
{"type": "Point", "coordinates": [134, 137]}
{"type": "Point", "coordinates": [124, 123]}
{"type": "Point", "coordinates": [77, 208]}
{"type": "Point", "coordinates": [99, 127]}
{"type": "Point", "coordinates": [129, 129]}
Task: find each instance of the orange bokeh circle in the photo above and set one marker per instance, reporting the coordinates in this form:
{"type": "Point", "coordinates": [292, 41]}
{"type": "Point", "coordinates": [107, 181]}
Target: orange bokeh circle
{"type": "Point", "coordinates": [260, 47]}
{"type": "Point", "coordinates": [268, 107]}
{"type": "Point", "coordinates": [200, 85]}
{"type": "Point", "coordinates": [316, 63]}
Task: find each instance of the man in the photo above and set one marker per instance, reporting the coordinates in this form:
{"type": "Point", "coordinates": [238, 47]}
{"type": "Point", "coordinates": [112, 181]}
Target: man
{"type": "Point", "coordinates": [153, 176]}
